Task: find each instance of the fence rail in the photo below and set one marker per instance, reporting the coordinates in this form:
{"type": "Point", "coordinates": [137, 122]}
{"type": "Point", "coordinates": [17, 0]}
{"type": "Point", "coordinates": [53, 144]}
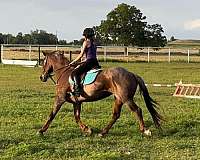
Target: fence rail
{"type": "Point", "coordinates": [105, 53]}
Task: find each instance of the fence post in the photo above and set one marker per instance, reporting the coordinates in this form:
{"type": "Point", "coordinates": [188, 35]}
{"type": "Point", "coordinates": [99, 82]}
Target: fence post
{"type": "Point", "coordinates": [148, 53]}
{"type": "Point", "coordinates": [39, 54]}
{"type": "Point", "coordinates": [169, 58]}
{"type": "Point", "coordinates": [104, 53]}
{"type": "Point", "coordinates": [70, 55]}
{"type": "Point", "coordinates": [29, 55]}
{"type": "Point", "coordinates": [125, 52]}
{"type": "Point", "coordinates": [127, 55]}
{"type": "Point", "coordinates": [188, 55]}
{"type": "Point", "coordinates": [1, 52]}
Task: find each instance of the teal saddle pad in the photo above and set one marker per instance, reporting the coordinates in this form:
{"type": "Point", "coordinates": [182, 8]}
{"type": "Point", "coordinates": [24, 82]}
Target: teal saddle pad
{"type": "Point", "coordinates": [88, 78]}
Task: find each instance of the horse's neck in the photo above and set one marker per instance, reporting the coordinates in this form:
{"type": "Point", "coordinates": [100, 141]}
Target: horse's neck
{"type": "Point", "coordinates": [57, 65]}
{"type": "Point", "coordinates": [62, 71]}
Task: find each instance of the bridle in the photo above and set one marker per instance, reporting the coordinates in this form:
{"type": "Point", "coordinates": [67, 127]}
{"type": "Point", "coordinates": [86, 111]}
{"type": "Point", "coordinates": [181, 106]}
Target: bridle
{"type": "Point", "coordinates": [51, 75]}
{"type": "Point", "coordinates": [66, 67]}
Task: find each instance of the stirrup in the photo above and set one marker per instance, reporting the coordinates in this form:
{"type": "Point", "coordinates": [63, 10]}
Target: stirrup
{"type": "Point", "coordinates": [77, 91]}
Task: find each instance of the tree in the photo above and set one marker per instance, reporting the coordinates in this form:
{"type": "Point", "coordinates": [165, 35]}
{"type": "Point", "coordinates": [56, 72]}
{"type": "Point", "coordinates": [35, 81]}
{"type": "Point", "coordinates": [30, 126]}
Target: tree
{"type": "Point", "coordinates": [9, 39]}
{"type": "Point", "coordinates": [35, 37]}
{"type": "Point", "coordinates": [62, 42]}
{"type": "Point", "coordinates": [19, 38]}
{"type": "Point", "coordinates": [172, 39]}
{"type": "Point", "coordinates": [125, 25]}
{"type": "Point", "coordinates": [1, 38]}
{"type": "Point", "coordinates": [28, 39]}
{"type": "Point", "coordinates": [154, 36]}
{"type": "Point", "coordinates": [42, 37]}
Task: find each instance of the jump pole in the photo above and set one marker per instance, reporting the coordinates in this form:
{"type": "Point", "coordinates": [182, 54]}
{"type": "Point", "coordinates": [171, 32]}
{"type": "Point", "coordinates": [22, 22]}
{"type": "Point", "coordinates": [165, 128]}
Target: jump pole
{"type": "Point", "coordinates": [161, 85]}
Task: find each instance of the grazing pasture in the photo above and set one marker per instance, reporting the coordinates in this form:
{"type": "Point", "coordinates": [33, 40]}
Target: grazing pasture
{"type": "Point", "coordinates": [25, 103]}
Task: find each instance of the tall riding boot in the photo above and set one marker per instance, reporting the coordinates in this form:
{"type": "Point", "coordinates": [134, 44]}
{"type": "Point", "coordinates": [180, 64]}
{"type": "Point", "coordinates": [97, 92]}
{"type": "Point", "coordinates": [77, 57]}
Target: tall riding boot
{"type": "Point", "coordinates": [77, 87]}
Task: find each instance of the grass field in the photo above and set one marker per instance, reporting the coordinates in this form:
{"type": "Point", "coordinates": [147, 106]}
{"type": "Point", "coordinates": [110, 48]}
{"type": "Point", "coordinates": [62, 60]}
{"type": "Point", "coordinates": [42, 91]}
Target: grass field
{"type": "Point", "coordinates": [26, 103]}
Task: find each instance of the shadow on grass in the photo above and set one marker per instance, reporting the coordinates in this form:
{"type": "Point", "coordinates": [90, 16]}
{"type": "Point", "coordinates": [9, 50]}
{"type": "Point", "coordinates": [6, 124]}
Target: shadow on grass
{"type": "Point", "coordinates": [6, 142]}
{"type": "Point", "coordinates": [184, 129]}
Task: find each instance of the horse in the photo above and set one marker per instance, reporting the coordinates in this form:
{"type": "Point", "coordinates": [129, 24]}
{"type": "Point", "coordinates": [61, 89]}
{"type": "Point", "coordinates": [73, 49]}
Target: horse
{"type": "Point", "coordinates": [115, 81]}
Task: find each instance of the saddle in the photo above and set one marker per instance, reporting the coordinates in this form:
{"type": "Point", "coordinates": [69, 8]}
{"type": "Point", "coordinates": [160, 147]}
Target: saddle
{"type": "Point", "coordinates": [88, 77]}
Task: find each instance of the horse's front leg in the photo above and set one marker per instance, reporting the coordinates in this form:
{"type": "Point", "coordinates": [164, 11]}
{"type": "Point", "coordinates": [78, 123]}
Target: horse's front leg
{"type": "Point", "coordinates": [77, 110]}
{"type": "Point", "coordinates": [57, 105]}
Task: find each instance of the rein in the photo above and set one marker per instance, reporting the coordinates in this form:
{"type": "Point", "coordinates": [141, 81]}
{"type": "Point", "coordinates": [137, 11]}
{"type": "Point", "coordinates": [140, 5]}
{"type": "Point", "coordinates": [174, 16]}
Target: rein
{"type": "Point", "coordinates": [51, 76]}
{"type": "Point", "coordinates": [62, 67]}
{"type": "Point", "coordinates": [66, 68]}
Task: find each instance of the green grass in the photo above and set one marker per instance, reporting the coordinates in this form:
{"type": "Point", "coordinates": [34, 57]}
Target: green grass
{"type": "Point", "coordinates": [25, 103]}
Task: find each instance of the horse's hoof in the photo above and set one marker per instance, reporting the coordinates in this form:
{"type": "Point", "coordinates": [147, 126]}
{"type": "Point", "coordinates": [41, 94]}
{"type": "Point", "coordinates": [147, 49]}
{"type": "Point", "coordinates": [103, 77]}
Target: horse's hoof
{"type": "Point", "coordinates": [100, 135]}
{"type": "Point", "coordinates": [39, 133]}
{"type": "Point", "coordinates": [147, 132]}
{"type": "Point", "coordinates": [89, 132]}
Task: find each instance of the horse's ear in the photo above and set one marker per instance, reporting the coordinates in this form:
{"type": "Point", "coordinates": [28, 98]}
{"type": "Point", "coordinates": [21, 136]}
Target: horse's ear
{"type": "Point", "coordinates": [44, 53]}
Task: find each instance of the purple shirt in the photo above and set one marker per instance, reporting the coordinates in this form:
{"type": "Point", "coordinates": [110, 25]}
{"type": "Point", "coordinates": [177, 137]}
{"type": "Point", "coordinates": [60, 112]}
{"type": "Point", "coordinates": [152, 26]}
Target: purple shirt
{"type": "Point", "coordinates": [91, 52]}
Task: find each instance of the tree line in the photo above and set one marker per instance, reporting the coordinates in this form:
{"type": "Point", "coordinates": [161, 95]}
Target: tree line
{"type": "Point", "coordinates": [35, 37]}
{"type": "Point", "coordinates": [124, 25]}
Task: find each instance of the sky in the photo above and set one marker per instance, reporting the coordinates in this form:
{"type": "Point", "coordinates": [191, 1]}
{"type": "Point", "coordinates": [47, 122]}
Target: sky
{"type": "Point", "coordinates": [68, 18]}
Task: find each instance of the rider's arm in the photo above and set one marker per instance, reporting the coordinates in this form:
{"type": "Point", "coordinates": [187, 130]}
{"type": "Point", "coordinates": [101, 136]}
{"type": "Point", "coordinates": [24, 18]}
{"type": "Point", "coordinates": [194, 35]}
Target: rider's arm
{"type": "Point", "coordinates": [81, 53]}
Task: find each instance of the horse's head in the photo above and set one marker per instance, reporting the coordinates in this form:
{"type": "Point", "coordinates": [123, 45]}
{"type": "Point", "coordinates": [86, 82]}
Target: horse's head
{"type": "Point", "coordinates": [52, 61]}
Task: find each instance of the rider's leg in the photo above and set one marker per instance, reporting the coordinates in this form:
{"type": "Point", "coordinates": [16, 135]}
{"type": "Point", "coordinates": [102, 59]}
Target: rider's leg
{"type": "Point", "coordinates": [76, 74]}
{"type": "Point", "coordinates": [77, 82]}
{"type": "Point", "coordinates": [83, 68]}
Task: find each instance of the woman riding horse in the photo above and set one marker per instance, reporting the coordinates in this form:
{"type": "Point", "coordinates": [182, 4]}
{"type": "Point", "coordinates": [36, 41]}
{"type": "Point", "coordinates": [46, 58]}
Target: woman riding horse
{"type": "Point", "coordinates": [89, 49]}
{"type": "Point", "coordinates": [115, 81]}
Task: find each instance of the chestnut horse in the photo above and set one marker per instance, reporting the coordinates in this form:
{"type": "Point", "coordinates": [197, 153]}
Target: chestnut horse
{"type": "Point", "coordinates": [113, 81]}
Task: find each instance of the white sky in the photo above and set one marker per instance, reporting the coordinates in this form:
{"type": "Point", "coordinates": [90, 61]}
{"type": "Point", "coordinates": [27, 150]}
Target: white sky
{"type": "Point", "coordinates": [179, 18]}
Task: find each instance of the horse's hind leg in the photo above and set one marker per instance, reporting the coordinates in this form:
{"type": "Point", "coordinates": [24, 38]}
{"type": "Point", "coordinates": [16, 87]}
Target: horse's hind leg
{"type": "Point", "coordinates": [116, 114]}
{"type": "Point", "coordinates": [138, 111]}
{"type": "Point", "coordinates": [57, 105]}
{"type": "Point", "coordinates": [83, 127]}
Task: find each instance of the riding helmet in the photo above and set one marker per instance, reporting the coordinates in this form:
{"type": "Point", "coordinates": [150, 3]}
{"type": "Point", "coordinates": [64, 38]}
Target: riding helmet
{"type": "Point", "coordinates": [88, 32]}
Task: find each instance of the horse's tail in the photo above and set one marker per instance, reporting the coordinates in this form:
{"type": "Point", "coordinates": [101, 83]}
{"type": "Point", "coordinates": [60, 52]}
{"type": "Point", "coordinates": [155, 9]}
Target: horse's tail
{"type": "Point", "coordinates": [150, 103]}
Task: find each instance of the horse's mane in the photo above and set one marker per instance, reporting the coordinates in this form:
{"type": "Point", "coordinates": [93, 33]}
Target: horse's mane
{"type": "Point", "coordinates": [60, 53]}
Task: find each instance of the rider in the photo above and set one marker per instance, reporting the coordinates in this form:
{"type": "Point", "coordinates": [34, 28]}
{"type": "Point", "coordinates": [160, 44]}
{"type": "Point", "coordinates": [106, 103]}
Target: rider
{"type": "Point", "coordinates": [88, 48]}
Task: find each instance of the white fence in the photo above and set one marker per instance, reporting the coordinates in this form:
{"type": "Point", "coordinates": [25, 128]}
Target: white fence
{"type": "Point", "coordinates": [31, 53]}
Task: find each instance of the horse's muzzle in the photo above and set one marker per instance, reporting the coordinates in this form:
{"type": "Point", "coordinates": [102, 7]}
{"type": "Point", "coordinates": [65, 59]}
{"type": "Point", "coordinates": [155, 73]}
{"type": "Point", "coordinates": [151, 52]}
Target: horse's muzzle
{"type": "Point", "coordinates": [43, 78]}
